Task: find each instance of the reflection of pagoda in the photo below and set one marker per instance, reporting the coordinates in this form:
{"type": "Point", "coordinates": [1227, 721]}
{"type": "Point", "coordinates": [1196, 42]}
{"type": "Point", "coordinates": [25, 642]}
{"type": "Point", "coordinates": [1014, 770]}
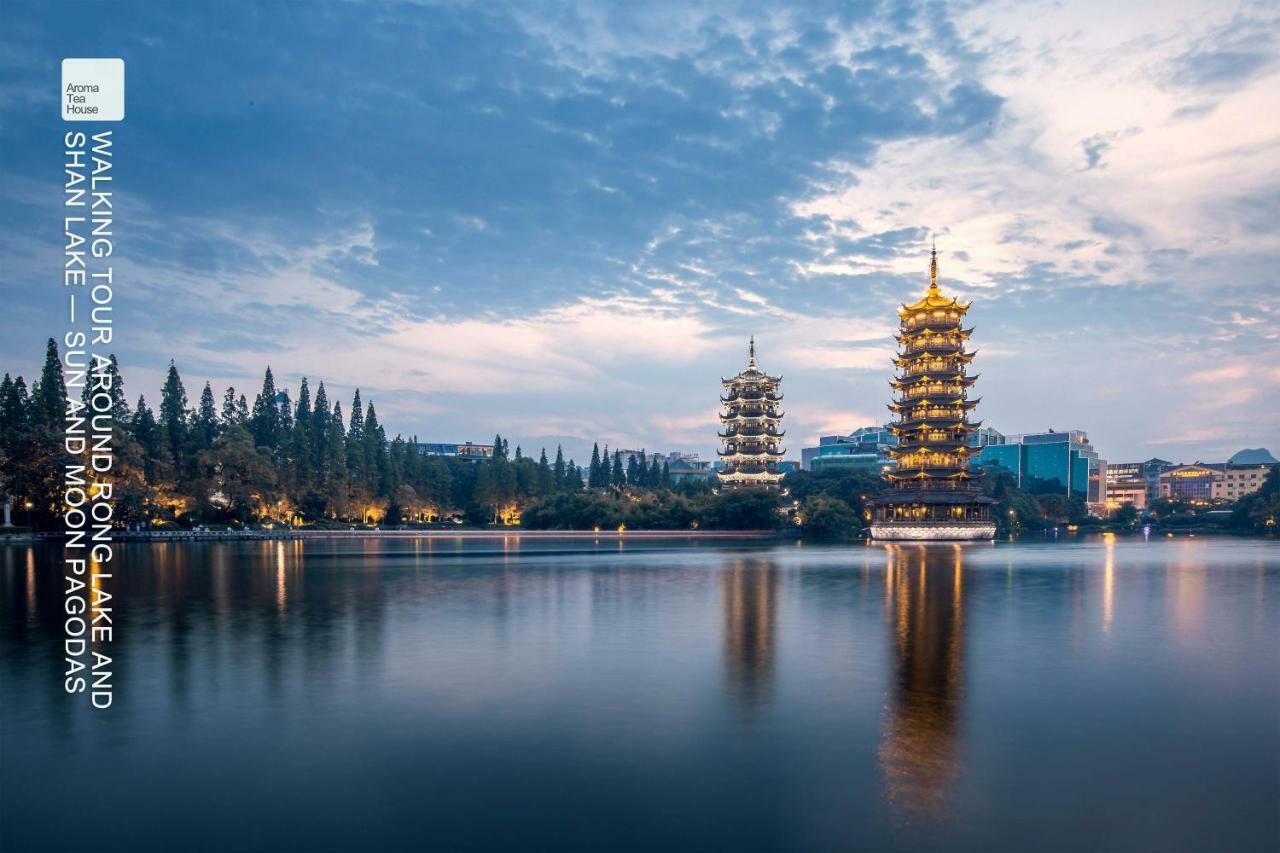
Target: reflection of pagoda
{"type": "Point", "coordinates": [750, 595]}
{"type": "Point", "coordinates": [751, 427]}
{"type": "Point", "coordinates": [919, 753]}
{"type": "Point", "coordinates": [934, 495]}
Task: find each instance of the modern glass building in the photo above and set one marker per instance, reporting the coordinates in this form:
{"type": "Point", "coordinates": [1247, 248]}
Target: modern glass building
{"type": "Point", "coordinates": [865, 448]}
{"type": "Point", "coordinates": [1066, 458]}
{"type": "Point", "coordinates": [868, 448]}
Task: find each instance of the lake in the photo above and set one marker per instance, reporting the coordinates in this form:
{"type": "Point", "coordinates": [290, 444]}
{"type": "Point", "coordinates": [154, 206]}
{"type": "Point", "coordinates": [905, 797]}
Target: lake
{"type": "Point", "coordinates": [397, 694]}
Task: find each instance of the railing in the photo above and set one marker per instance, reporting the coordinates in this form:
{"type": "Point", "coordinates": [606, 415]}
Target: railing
{"type": "Point", "coordinates": [933, 318]}
{"type": "Point", "coordinates": [933, 365]}
{"type": "Point", "coordinates": [932, 389]}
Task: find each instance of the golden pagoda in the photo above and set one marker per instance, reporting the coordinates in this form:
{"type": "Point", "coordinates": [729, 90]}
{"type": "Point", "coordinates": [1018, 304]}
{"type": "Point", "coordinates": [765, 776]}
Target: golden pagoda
{"type": "Point", "coordinates": [751, 427]}
{"type": "Point", "coordinates": [934, 493]}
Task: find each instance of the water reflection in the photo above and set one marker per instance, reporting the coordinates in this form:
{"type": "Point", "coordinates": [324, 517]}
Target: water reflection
{"type": "Point", "coordinates": [750, 599]}
{"type": "Point", "coordinates": [920, 747]}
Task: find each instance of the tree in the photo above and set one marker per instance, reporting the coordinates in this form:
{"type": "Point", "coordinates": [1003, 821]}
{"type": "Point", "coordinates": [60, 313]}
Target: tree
{"type": "Point", "coordinates": [558, 473]}
{"type": "Point", "coordinates": [825, 517]}
{"type": "Point", "coordinates": [593, 476]}
{"type": "Point", "coordinates": [49, 396]}
{"type": "Point", "coordinates": [617, 476]}
{"type": "Point", "coordinates": [265, 421]}
{"type": "Point", "coordinates": [206, 419]}
{"type": "Point", "coordinates": [243, 477]}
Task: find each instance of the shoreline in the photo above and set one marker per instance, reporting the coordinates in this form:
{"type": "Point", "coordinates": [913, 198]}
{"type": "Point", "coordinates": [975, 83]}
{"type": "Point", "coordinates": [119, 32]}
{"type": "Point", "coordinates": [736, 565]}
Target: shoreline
{"type": "Point", "coordinates": [165, 536]}
{"type": "Point", "coordinates": [514, 533]}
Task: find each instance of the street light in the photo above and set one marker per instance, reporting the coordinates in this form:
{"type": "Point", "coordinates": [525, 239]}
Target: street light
{"type": "Point", "coordinates": [27, 505]}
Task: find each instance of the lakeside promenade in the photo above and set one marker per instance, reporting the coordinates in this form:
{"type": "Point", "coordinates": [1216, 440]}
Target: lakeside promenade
{"type": "Point", "coordinates": [274, 535]}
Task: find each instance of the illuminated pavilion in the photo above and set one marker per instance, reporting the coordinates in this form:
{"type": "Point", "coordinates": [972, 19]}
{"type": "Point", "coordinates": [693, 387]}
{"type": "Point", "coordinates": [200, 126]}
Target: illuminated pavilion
{"type": "Point", "coordinates": [751, 427]}
{"type": "Point", "coordinates": [934, 494]}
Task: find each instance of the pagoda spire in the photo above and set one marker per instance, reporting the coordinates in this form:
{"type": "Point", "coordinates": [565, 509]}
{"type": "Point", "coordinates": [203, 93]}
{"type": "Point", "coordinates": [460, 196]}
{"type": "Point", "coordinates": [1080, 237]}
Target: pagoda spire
{"type": "Point", "coordinates": [751, 354]}
{"type": "Point", "coordinates": [933, 269]}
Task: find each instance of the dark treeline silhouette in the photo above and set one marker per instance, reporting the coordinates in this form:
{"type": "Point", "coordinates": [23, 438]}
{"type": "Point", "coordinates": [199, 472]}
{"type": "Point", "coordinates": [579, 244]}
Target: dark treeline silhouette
{"type": "Point", "coordinates": [281, 460]}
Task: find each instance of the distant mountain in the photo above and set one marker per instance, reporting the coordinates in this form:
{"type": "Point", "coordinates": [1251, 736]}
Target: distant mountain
{"type": "Point", "coordinates": [1253, 456]}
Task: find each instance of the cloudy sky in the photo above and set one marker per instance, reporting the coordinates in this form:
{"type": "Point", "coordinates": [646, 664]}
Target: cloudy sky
{"type": "Point", "coordinates": [561, 222]}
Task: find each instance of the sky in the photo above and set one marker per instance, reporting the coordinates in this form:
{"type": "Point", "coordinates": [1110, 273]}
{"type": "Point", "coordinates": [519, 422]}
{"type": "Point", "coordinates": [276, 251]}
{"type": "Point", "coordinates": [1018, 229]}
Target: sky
{"type": "Point", "coordinates": [562, 221]}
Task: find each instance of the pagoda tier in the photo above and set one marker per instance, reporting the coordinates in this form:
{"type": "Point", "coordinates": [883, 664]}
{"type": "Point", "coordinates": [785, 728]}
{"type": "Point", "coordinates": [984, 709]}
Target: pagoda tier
{"type": "Point", "coordinates": [934, 494]}
{"type": "Point", "coordinates": [751, 427]}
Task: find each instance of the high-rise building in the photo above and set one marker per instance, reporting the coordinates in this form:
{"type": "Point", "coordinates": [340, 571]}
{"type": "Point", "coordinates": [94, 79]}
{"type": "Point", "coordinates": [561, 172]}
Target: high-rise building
{"type": "Point", "coordinates": [751, 427]}
{"type": "Point", "coordinates": [1043, 459]}
{"type": "Point", "coordinates": [934, 494]}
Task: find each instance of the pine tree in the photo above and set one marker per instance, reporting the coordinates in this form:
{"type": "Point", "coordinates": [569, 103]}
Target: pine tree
{"type": "Point", "coordinates": [49, 396]}
{"type": "Point", "coordinates": [654, 479]}
{"type": "Point", "coordinates": [545, 479]}
{"type": "Point", "coordinates": [206, 419]}
{"type": "Point", "coordinates": [285, 406]}
{"type": "Point", "coordinates": [355, 440]}
{"type": "Point", "coordinates": [593, 475]}
{"type": "Point", "coordinates": [265, 422]}
{"type": "Point", "coordinates": [229, 407]}
{"type": "Point", "coordinates": [173, 417]}
{"type": "Point", "coordinates": [146, 433]}
{"type": "Point", "coordinates": [375, 451]}
{"type": "Point", "coordinates": [666, 476]}
{"type": "Point", "coordinates": [119, 405]}
{"type": "Point", "coordinates": [558, 473]}
{"type": "Point", "coordinates": [633, 472]}
{"type": "Point", "coordinates": [617, 477]}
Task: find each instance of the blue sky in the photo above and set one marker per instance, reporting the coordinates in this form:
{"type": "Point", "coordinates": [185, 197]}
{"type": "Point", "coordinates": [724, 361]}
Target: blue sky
{"type": "Point", "coordinates": [562, 221]}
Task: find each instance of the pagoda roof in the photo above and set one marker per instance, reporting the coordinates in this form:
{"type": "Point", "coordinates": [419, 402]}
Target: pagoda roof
{"type": "Point", "coordinates": [933, 297]}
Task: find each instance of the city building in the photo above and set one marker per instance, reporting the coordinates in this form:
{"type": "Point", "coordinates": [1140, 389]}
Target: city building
{"type": "Point", "coordinates": [1208, 482]}
{"type": "Point", "coordinates": [1237, 481]}
{"type": "Point", "coordinates": [686, 467]}
{"type": "Point", "coordinates": [1126, 492]}
{"type": "Point", "coordinates": [934, 493]}
{"type": "Point", "coordinates": [1064, 457]}
{"type": "Point", "coordinates": [1196, 483]}
{"type": "Point", "coordinates": [465, 450]}
{"type": "Point", "coordinates": [1124, 478]}
{"type": "Point", "coordinates": [868, 448]}
{"type": "Point", "coordinates": [751, 427]}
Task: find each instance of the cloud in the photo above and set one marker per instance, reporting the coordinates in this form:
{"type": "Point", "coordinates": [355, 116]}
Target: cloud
{"type": "Point", "coordinates": [568, 218]}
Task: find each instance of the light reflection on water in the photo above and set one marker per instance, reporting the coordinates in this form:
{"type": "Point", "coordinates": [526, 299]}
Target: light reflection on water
{"type": "Point", "coordinates": [400, 694]}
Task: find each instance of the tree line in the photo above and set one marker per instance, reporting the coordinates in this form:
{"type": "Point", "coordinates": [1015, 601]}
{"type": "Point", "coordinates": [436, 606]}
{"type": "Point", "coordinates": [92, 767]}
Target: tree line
{"type": "Point", "coordinates": [281, 460]}
{"type": "Point", "coordinates": [306, 461]}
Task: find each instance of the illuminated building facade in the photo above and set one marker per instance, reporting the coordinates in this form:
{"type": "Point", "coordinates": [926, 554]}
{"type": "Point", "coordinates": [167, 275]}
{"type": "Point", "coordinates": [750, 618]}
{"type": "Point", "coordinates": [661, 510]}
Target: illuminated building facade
{"type": "Point", "coordinates": [1124, 479]}
{"type": "Point", "coordinates": [935, 494]}
{"type": "Point", "coordinates": [751, 427]}
{"type": "Point", "coordinates": [1207, 482]}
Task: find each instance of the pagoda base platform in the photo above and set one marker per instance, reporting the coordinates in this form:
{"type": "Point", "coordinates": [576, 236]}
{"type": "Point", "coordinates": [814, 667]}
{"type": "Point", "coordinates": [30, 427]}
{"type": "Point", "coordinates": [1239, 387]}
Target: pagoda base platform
{"type": "Point", "coordinates": [933, 531]}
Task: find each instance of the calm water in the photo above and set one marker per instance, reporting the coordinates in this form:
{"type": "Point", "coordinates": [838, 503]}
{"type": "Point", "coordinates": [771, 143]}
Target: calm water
{"type": "Point", "coordinates": [397, 694]}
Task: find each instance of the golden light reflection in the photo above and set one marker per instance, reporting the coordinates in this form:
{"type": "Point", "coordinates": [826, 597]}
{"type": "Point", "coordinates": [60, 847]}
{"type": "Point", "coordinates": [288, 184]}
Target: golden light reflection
{"type": "Point", "coordinates": [280, 579]}
{"type": "Point", "coordinates": [749, 593]}
{"type": "Point", "coordinates": [919, 751]}
{"type": "Point", "coordinates": [1186, 578]}
{"type": "Point", "coordinates": [31, 581]}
